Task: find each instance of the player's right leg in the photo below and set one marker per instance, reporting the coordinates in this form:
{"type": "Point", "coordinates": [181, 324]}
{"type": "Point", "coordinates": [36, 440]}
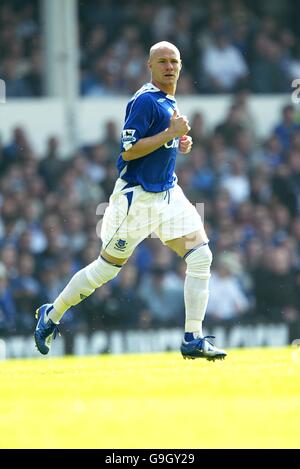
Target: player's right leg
{"type": "Point", "coordinates": [119, 239]}
{"type": "Point", "coordinates": [81, 285]}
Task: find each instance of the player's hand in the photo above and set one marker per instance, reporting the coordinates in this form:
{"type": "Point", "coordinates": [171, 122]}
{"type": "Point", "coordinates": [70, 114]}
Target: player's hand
{"type": "Point", "coordinates": [179, 125]}
{"type": "Point", "coordinates": [185, 144]}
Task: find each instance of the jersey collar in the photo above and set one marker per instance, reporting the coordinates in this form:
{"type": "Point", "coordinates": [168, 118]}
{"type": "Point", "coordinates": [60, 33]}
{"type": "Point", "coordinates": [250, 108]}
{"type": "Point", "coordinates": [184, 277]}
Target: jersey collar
{"type": "Point", "coordinates": [169, 96]}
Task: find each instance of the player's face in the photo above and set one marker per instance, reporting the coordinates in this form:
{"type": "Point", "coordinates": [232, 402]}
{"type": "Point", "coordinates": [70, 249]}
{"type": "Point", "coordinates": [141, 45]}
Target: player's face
{"type": "Point", "coordinates": [165, 66]}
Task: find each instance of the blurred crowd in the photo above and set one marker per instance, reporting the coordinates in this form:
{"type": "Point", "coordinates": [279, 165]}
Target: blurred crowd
{"type": "Point", "coordinates": [51, 212]}
{"type": "Point", "coordinates": [225, 45]}
{"type": "Point", "coordinates": [51, 207]}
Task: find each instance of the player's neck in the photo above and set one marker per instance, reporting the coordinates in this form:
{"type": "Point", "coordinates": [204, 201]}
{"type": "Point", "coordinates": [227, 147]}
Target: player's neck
{"type": "Point", "coordinates": [165, 89]}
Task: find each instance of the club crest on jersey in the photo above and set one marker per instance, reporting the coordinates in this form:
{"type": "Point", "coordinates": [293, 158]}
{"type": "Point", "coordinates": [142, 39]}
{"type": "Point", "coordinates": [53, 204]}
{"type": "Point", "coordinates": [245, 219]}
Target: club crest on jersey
{"type": "Point", "coordinates": [120, 244]}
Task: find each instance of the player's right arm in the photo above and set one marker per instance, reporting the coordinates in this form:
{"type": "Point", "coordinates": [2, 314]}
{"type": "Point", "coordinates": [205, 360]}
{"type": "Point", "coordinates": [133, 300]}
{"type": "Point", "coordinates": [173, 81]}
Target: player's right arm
{"type": "Point", "coordinates": [134, 143]}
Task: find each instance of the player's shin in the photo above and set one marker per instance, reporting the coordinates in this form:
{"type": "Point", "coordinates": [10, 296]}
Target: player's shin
{"type": "Point", "coordinates": [82, 285]}
{"type": "Point", "coordinates": [196, 288]}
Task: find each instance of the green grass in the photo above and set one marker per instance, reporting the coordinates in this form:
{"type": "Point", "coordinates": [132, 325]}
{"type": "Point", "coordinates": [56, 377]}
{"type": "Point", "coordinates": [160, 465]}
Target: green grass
{"type": "Point", "coordinates": [250, 400]}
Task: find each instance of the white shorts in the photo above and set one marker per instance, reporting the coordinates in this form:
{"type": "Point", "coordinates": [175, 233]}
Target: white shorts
{"type": "Point", "coordinates": [134, 214]}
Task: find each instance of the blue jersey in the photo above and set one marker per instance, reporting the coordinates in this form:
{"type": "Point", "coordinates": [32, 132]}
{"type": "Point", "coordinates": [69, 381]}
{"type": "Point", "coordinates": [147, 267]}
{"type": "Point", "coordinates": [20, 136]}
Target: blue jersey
{"type": "Point", "coordinates": [148, 113]}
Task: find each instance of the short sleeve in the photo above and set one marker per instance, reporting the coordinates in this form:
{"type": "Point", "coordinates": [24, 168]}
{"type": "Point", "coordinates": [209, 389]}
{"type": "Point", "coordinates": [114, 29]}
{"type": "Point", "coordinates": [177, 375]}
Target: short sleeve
{"type": "Point", "coordinates": [138, 121]}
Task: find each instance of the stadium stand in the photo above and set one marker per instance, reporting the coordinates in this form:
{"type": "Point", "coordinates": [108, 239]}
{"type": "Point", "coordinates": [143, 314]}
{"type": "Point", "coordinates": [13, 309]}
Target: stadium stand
{"type": "Point", "coordinates": [251, 188]}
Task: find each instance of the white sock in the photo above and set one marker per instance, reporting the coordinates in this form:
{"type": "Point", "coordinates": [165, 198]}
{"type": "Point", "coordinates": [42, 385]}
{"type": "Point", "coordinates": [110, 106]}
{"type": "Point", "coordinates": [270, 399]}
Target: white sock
{"type": "Point", "coordinates": [82, 285]}
{"type": "Point", "coordinates": [195, 299]}
{"type": "Point", "coordinates": [196, 288]}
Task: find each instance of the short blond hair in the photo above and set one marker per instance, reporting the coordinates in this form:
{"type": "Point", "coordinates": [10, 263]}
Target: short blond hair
{"type": "Point", "coordinates": [163, 45]}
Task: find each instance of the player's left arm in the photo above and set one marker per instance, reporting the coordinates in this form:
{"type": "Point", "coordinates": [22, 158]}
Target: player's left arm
{"type": "Point", "coordinates": [185, 144]}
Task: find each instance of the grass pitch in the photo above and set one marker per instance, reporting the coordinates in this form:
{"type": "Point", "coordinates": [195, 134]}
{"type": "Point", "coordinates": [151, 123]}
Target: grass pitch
{"type": "Point", "coordinates": [250, 400]}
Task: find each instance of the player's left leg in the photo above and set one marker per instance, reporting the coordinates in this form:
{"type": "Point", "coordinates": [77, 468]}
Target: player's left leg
{"type": "Point", "coordinates": [198, 257]}
{"type": "Point", "coordinates": [182, 230]}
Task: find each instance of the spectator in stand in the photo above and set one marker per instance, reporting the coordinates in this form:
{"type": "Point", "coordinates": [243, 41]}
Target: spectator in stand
{"type": "Point", "coordinates": [268, 73]}
{"type": "Point", "coordinates": [198, 131]}
{"type": "Point", "coordinates": [236, 181]}
{"type": "Point", "coordinates": [231, 126]}
{"type": "Point", "coordinates": [51, 165]}
{"type": "Point", "coordinates": [246, 117]}
{"type": "Point", "coordinates": [288, 127]}
{"type": "Point", "coordinates": [223, 65]}
{"type": "Point", "coordinates": [283, 190]}
{"type": "Point", "coordinates": [111, 138]}
{"type": "Point", "coordinates": [16, 86]}
{"type": "Point", "coordinates": [26, 292]}
{"type": "Point", "coordinates": [275, 287]}
{"type": "Point", "coordinates": [224, 284]}
{"type": "Point", "coordinates": [165, 303]}
{"type": "Point", "coordinates": [294, 64]}
{"type": "Point", "coordinates": [7, 304]}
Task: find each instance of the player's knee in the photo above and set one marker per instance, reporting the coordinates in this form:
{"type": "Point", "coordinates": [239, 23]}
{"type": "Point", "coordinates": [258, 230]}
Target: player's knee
{"type": "Point", "coordinates": [112, 260]}
{"type": "Point", "coordinates": [101, 271]}
{"type": "Point", "coordinates": [199, 262]}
